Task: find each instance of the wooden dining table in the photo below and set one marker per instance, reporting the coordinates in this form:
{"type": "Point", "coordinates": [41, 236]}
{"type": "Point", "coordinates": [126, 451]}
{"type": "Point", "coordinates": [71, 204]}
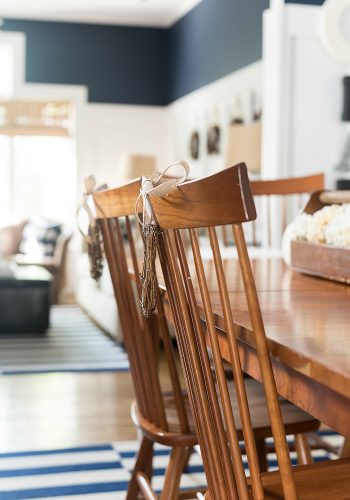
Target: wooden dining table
{"type": "Point", "coordinates": [307, 322]}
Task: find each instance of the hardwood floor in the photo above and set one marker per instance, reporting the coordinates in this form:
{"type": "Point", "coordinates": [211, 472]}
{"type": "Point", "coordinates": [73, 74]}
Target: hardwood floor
{"type": "Point", "coordinates": [63, 410]}
{"type": "Point", "coordinates": [54, 410]}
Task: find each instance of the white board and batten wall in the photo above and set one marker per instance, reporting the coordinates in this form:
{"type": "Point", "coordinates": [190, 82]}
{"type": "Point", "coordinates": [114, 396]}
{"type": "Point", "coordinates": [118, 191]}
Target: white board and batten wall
{"type": "Point", "coordinates": [109, 131]}
{"type": "Point", "coordinates": [213, 104]}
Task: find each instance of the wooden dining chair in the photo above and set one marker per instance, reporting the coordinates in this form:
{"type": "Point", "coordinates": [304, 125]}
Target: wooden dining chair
{"type": "Point", "coordinates": [277, 203]}
{"type": "Point", "coordinates": [223, 419]}
{"type": "Point", "coordinates": [280, 200]}
{"type": "Point", "coordinates": [163, 416]}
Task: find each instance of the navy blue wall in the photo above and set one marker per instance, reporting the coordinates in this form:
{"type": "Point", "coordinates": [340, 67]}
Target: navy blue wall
{"type": "Point", "coordinates": [141, 65]}
{"type": "Point", "coordinates": [118, 64]}
{"type": "Point", "coordinates": [214, 39]}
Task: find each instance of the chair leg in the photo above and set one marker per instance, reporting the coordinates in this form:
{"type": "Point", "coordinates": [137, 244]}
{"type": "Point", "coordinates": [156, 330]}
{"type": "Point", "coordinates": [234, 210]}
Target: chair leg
{"type": "Point", "coordinates": [303, 450]}
{"type": "Point", "coordinates": [262, 454]}
{"type": "Point", "coordinates": [148, 471]}
{"type": "Point", "coordinates": [345, 449]}
{"type": "Point", "coordinates": [317, 442]}
{"type": "Point", "coordinates": [143, 464]}
{"type": "Point", "coordinates": [189, 452]}
{"type": "Point", "coordinates": [173, 473]}
{"type": "Point", "coordinates": [145, 487]}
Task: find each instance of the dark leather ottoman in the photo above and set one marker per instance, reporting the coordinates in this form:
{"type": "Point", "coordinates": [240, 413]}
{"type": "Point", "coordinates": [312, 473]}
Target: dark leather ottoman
{"type": "Point", "coordinates": [25, 300]}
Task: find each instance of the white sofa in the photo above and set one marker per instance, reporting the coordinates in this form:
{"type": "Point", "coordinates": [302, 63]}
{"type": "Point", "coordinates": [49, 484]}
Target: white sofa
{"type": "Point", "coordinates": [97, 298]}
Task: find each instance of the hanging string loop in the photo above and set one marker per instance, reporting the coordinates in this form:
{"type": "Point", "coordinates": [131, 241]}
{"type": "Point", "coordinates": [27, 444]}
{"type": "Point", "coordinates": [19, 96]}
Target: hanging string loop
{"type": "Point", "coordinates": [157, 185]}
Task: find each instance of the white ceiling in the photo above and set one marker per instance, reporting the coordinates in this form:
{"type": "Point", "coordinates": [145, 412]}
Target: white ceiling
{"type": "Point", "coordinates": [158, 13]}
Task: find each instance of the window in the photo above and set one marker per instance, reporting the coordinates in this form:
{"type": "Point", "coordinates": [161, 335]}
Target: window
{"type": "Point", "coordinates": [37, 150]}
{"type": "Point", "coordinates": [38, 178]}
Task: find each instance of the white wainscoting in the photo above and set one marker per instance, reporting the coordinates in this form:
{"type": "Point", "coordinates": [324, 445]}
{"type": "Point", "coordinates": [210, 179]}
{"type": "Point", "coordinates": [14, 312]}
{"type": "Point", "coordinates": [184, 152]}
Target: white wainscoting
{"type": "Point", "coordinates": [109, 131]}
{"type": "Point", "coordinates": [211, 105]}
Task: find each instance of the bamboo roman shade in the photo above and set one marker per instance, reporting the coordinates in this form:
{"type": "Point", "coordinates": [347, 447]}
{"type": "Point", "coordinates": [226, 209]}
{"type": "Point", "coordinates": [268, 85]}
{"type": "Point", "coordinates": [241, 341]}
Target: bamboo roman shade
{"type": "Point", "coordinates": [43, 118]}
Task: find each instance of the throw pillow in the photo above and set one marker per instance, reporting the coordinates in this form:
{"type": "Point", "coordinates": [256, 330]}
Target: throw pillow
{"type": "Point", "coordinates": [39, 238]}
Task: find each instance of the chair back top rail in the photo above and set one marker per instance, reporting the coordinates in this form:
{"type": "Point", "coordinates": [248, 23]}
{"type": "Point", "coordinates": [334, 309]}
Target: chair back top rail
{"type": "Point", "coordinates": [215, 200]}
{"type": "Point", "coordinates": [292, 185]}
{"type": "Point", "coordinates": [121, 200]}
{"type": "Point", "coordinates": [117, 202]}
{"type": "Point", "coordinates": [278, 201]}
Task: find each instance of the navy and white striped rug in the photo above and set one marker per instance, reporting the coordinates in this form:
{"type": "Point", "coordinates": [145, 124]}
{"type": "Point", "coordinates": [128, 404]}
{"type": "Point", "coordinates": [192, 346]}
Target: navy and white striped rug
{"type": "Point", "coordinates": [73, 343]}
{"type": "Point", "coordinates": [96, 472]}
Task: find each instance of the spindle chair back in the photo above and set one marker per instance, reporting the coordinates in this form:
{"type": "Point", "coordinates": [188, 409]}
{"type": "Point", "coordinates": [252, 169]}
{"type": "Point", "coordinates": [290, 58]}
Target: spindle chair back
{"type": "Point", "coordinates": [162, 416]}
{"type": "Point", "coordinates": [278, 203]}
{"type": "Point", "coordinates": [221, 199]}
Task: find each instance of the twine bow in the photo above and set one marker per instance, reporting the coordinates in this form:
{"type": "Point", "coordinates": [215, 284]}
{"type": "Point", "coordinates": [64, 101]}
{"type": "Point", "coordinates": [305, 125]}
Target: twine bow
{"type": "Point", "coordinates": [150, 231]}
{"type": "Point", "coordinates": [93, 237]}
